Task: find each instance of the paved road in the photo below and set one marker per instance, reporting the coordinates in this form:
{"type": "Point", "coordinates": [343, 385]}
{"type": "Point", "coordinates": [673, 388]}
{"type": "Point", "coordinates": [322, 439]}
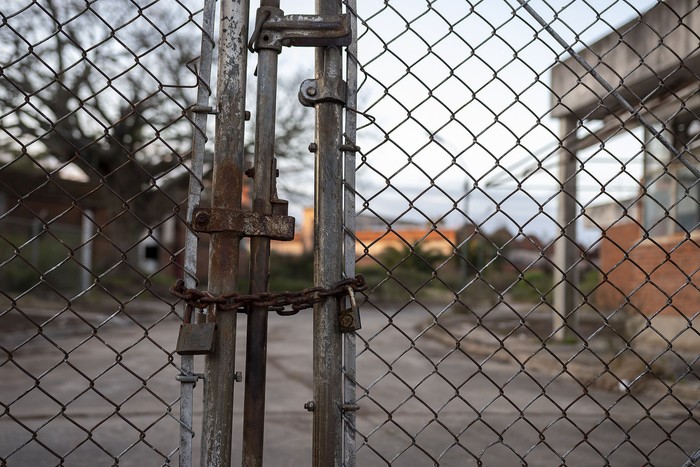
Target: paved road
{"type": "Point", "coordinates": [420, 399]}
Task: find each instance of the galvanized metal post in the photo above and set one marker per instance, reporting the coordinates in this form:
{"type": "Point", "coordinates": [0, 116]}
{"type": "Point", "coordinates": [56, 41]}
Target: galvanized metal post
{"type": "Point", "coordinates": [227, 185]}
{"type": "Point", "coordinates": [87, 231]}
{"type": "Point", "coordinates": [349, 349]}
{"type": "Point", "coordinates": [187, 377]}
{"type": "Point", "coordinates": [256, 340]}
{"type": "Point", "coordinates": [328, 260]}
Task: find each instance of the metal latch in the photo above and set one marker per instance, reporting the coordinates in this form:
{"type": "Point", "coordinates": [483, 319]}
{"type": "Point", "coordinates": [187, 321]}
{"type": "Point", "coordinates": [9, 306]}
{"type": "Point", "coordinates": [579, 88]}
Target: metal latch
{"type": "Point", "coordinates": [273, 30]}
{"type": "Point", "coordinates": [195, 338]}
{"type": "Point", "coordinates": [349, 318]}
{"type": "Point", "coordinates": [277, 226]}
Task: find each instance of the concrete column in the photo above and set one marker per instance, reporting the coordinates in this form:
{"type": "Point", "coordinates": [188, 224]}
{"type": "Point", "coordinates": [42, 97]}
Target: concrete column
{"type": "Point", "coordinates": [566, 248]}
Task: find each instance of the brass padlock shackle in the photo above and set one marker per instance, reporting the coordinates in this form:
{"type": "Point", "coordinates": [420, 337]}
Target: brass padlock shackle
{"type": "Point", "coordinates": [351, 296]}
{"type": "Point", "coordinates": [349, 319]}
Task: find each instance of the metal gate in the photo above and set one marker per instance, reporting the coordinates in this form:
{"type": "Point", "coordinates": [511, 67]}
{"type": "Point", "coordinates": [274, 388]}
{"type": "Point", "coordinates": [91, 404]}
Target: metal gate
{"type": "Point", "coordinates": [518, 186]}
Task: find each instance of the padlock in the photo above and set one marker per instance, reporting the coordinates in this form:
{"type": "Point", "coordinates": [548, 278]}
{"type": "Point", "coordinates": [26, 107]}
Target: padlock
{"type": "Point", "coordinates": [195, 338]}
{"type": "Point", "coordinates": [350, 317]}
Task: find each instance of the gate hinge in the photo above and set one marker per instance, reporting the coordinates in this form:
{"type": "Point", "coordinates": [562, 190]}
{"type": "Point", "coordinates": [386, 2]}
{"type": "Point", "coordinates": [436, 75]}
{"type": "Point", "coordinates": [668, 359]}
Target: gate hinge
{"type": "Point", "coordinates": [273, 30]}
{"type": "Point", "coordinates": [329, 87]}
{"type": "Point", "coordinates": [275, 226]}
{"type": "Point", "coordinates": [325, 89]}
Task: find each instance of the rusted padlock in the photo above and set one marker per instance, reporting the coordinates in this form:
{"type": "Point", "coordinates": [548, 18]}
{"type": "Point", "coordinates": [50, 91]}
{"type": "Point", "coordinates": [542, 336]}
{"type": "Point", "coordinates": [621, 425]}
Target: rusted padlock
{"type": "Point", "coordinates": [195, 338]}
{"type": "Point", "coordinates": [350, 317]}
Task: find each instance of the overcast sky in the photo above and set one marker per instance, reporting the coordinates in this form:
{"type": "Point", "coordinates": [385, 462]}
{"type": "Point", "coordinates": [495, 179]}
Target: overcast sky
{"type": "Point", "coordinates": [460, 98]}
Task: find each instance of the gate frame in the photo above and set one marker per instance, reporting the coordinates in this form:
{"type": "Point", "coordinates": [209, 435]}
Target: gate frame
{"type": "Point", "coordinates": [328, 259]}
{"type": "Point", "coordinates": [227, 187]}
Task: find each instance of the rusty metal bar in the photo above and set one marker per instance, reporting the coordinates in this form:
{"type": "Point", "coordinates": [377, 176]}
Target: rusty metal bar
{"type": "Point", "coordinates": [244, 223]}
{"type": "Point", "coordinates": [328, 259]}
{"type": "Point", "coordinates": [256, 340]}
{"type": "Point", "coordinates": [349, 346]}
{"type": "Point", "coordinates": [199, 139]}
{"type": "Point", "coordinates": [227, 186]}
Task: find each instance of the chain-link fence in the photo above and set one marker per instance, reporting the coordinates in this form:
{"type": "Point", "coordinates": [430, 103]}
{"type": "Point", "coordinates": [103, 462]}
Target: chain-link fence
{"type": "Point", "coordinates": [524, 208]}
{"type": "Point", "coordinates": [96, 138]}
{"type": "Point", "coordinates": [527, 219]}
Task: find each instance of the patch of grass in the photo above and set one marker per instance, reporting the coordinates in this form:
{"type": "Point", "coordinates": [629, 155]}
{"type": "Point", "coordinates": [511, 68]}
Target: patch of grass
{"type": "Point", "coordinates": [290, 272]}
{"type": "Point", "coordinates": [534, 285]}
{"type": "Point", "coordinates": [45, 260]}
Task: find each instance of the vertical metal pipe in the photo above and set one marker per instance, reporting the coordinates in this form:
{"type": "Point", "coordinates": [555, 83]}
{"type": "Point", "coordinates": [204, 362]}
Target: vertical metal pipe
{"type": "Point", "coordinates": [227, 186]}
{"type": "Point", "coordinates": [256, 340]}
{"type": "Point", "coordinates": [328, 261]}
{"type": "Point", "coordinates": [87, 230]}
{"type": "Point", "coordinates": [566, 246]}
{"type": "Point", "coordinates": [349, 349]}
{"type": "Point", "coordinates": [199, 139]}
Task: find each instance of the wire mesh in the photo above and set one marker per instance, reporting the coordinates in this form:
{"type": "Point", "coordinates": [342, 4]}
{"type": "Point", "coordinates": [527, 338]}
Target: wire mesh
{"type": "Point", "coordinates": [96, 138]}
{"type": "Point", "coordinates": [532, 248]}
{"type": "Point", "coordinates": [528, 226]}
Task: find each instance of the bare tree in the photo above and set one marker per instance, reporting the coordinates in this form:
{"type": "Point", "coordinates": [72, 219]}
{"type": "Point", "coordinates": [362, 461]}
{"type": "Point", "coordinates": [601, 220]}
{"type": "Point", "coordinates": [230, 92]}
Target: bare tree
{"type": "Point", "coordinates": [104, 85]}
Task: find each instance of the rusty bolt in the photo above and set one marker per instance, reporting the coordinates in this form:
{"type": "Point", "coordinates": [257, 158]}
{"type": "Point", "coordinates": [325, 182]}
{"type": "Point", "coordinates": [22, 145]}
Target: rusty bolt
{"type": "Point", "coordinates": [202, 218]}
{"type": "Point", "coordinates": [313, 147]}
{"type": "Point", "coordinates": [310, 406]}
{"type": "Point", "coordinates": [247, 115]}
{"type": "Point", "coordinates": [311, 91]}
{"type": "Point", "coordinates": [238, 376]}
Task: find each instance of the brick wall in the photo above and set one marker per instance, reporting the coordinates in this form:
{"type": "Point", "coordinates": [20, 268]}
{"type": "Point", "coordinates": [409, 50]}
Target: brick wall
{"type": "Point", "coordinates": [653, 275]}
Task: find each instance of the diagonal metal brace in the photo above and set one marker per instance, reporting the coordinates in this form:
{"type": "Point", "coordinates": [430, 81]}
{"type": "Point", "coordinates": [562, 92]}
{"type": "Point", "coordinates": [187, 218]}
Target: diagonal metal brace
{"type": "Point", "coordinates": [274, 30]}
{"type": "Point", "coordinates": [243, 223]}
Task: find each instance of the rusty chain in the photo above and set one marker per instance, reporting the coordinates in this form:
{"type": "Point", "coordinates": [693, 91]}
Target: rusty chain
{"type": "Point", "coordinates": [275, 301]}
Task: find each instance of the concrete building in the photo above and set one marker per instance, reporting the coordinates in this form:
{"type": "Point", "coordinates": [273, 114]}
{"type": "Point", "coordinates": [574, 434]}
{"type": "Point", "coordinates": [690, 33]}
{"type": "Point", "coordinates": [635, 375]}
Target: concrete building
{"type": "Point", "coordinates": [649, 253]}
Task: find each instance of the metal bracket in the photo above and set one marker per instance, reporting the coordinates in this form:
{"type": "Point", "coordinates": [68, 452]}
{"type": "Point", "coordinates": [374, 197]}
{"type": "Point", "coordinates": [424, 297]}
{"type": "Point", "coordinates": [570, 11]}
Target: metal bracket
{"type": "Point", "coordinates": [273, 30]}
{"type": "Point", "coordinates": [276, 226]}
{"type": "Point", "coordinates": [325, 89]}
{"type": "Point", "coordinates": [189, 379]}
